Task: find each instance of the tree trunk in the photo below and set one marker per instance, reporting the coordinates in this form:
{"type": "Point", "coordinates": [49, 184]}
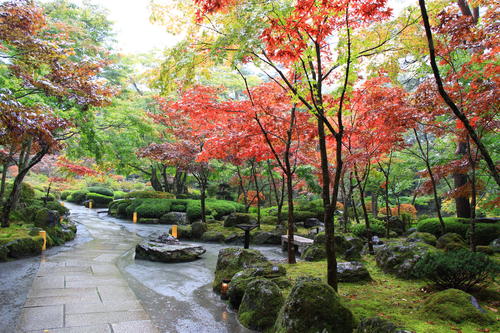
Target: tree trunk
{"type": "Point", "coordinates": [374, 206]}
{"type": "Point", "coordinates": [365, 211]}
{"type": "Point", "coordinates": [462, 204]}
{"type": "Point", "coordinates": [155, 182]}
{"type": "Point", "coordinates": [451, 104]}
{"type": "Point", "coordinates": [11, 202]}
{"type": "Point", "coordinates": [203, 187]}
{"type": "Point", "coordinates": [5, 167]}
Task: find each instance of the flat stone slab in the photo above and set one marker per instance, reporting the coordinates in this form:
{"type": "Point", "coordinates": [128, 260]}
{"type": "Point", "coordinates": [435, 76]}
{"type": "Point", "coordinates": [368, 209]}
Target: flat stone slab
{"type": "Point", "coordinates": [155, 251]}
{"type": "Point", "coordinates": [81, 290]}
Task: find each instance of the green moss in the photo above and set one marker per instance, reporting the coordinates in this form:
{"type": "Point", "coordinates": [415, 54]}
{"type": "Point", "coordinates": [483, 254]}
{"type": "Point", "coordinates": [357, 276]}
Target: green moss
{"type": "Point", "coordinates": [395, 299]}
{"type": "Point", "coordinates": [100, 190]}
{"type": "Point", "coordinates": [260, 305]}
{"type": "Point", "coordinates": [77, 197]}
{"type": "Point", "coordinates": [450, 242]}
{"type": "Point", "coordinates": [453, 305]}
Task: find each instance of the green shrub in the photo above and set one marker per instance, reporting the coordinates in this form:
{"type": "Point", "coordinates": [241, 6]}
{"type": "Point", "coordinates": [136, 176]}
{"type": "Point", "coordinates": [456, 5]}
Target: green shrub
{"type": "Point", "coordinates": [461, 269]}
{"type": "Point", "coordinates": [121, 207]}
{"type": "Point", "coordinates": [178, 208]}
{"type": "Point", "coordinates": [150, 195]}
{"type": "Point", "coordinates": [301, 216]}
{"type": "Point", "coordinates": [27, 192]}
{"type": "Point", "coordinates": [153, 208]}
{"type": "Point", "coordinates": [55, 205]}
{"type": "Point", "coordinates": [99, 199]}
{"type": "Point", "coordinates": [78, 197]}
{"type": "Point", "coordinates": [193, 210]}
{"type": "Point", "coordinates": [65, 194]}
{"type": "Point", "coordinates": [119, 195]}
{"type": "Point", "coordinates": [131, 208]}
{"type": "Point", "coordinates": [100, 190]}
{"type": "Point", "coordinates": [269, 220]}
{"type": "Point", "coordinates": [485, 233]}
{"type": "Point", "coordinates": [377, 227]}
{"type": "Point", "coordinates": [222, 208]}
{"type": "Point", "coordinates": [452, 224]}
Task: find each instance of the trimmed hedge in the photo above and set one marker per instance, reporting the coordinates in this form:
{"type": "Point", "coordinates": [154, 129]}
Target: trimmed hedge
{"type": "Point", "coordinates": [376, 226]}
{"type": "Point", "coordinates": [78, 197]}
{"type": "Point", "coordinates": [485, 232]}
{"type": "Point", "coordinates": [100, 190]}
{"type": "Point", "coordinates": [65, 194]}
{"type": "Point", "coordinates": [150, 195]}
{"type": "Point", "coordinates": [99, 198]}
{"type": "Point", "coordinates": [153, 208]}
{"type": "Point", "coordinates": [119, 195]}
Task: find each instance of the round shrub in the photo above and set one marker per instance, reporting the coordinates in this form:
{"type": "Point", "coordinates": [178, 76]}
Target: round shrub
{"type": "Point", "coordinates": [78, 197]}
{"type": "Point", "coordinates": [359, 230]}
{"type": "Point", "coordinates": [99, 199]}
{"type": "Point", "coordinates": [301, 216]}
{"type": "Point", "coordinates": [65, 194]}
{"type": "Point", "coordinates": [178, 208]}
{"type": "Point", "coordinates": [485, 233]}
{"type": "Point", "coordinates": [131, 208]}
{"type": "Point", "coordinates": [119, 195]}
{"type": "Point", "coordinates": [55, 205]}
{"type": "Point", "coordinates": [452, 224]}
{"type": "Point", "coordinates": [461, 269]}
{"type": "Point", "coordinates": [100, 190]}
{"type": "Point", "coordinates": [153, 208]}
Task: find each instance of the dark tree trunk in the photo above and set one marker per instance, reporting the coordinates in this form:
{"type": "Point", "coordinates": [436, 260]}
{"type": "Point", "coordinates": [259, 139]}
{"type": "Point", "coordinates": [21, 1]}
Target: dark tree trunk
{"type": "Point", "coordinates": [361, 189]}
{"type": "Point", "coordinates": [155, 182]}
{"type": "Point", "coordinates": [11, 202]}
{"type": "Point", "coordinates": [462, 204]}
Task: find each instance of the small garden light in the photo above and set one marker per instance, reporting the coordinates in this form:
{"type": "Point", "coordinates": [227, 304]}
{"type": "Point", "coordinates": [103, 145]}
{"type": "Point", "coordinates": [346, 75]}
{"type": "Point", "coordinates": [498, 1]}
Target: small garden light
{"type": "Point", "coordinates": [224, 288]}
{"type": "Point", "coordinates": [174, 231]}
{"type": "Point", "coordinates": [134, 217]}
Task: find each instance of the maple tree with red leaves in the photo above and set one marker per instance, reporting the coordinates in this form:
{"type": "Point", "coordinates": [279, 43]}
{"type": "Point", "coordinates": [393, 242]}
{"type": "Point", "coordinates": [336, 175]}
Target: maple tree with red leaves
{"type": "Point", "coordinates": [42, 62]}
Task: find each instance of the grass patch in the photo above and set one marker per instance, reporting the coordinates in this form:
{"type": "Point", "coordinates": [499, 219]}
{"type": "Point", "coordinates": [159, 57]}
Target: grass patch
{"type": "Point", "coordinates": [395, 299]}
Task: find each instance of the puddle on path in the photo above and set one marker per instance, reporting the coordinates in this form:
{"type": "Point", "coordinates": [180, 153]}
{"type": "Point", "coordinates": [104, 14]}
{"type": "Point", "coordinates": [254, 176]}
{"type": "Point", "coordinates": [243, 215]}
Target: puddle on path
{"type": "Point", "coordinates": [178, 296]}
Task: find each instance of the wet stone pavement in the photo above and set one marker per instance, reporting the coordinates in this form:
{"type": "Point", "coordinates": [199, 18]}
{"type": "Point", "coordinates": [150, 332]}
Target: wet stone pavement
{"type": "Point", "coordinates": [82, 289]}
{"type": "Point", "coordinates": [99, 287]}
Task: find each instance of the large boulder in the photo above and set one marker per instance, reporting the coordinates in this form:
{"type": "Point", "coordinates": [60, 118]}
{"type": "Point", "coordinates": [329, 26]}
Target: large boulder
{"type": "Point", "coordinates": [213, 237]}
{"type": "Point", "coordinates": [241, 279]}
{"type": "Point", "coordinates": [24, 247]}
{"type": "Point", "coordinates": [450, 242]}
{"type": "Point", "coordinates": [155, 251]}
{"type": "Point", "coordinates": [198, 229]}
{"type": "Point", "coordinates": [45, 218]}
{"type": "Point", "coordinates": [353, 271]}
{"type": "Point", "coordinates": [312, 307]}
{"type": "Point", "coordinates": [424, 237]}
{"type": "Point", "coordinates": [454, 305]}
{"type": "Point", "coordinates": [399, 258]}
{"type": "Point", "coordinates": [232, 260]}
{"type": "Point", "coordinates": [178, 218]}
{"type": "Point", "coordinates": [353, 251]}
{"type": "Point", "coordinates": [312, 222]}
{"type": "Point", "coordinates": [260, 305]}
{"type": "Point", "coordinates": [265, 237]}
{"type": "Point", "coordinates": [315, 252]}
{"type": "Point", "coordinates": [396, 224]}
{"type": "Point", "coordinates": [378, 325]}
{"type": "Point", "coordinates": [238, 218]}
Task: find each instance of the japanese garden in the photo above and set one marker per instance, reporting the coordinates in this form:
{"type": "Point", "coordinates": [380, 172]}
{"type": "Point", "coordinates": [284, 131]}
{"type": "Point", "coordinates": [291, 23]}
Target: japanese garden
{"type": "Point", "coordinates": [288, 166]}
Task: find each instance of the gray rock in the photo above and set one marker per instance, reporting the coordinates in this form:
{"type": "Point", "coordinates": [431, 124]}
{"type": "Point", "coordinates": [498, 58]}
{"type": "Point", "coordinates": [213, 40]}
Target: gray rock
{"type": "Point", "coordinates": [179, 218]}
{"type": "Point", "coordinates": [399, 258]}
{"type": "Point", "coordinates": [213, 236]}
{"type": "Point", "coordinates": [234, 239]}
{"type": "Point", "coordinates": [315, 252]}
{"type": "Point", "coordinates": [312, 222]}
{"type": "Point", "coordinates": [314, 306]}
{"type": "Point", "coordinates": [353, 271]}
{"type": "Point", "coordinates": [168, 252]}
{"type": "Point", "coordinates": [425, 237]}
{"type": "Point", "coordinates": [353, 252]}
{"type": "Point", "coordinates": [264, 237]}
{"type": "Point", "coordinates": [450, 242]}
{"type": "Point", "coordinates": [495, 245]}
{"type": "Point", "coordinates": [238, 218]}
{"type": "Point", "coordinates": [198, 229]}
{"type": "Point", "coordinates": [163, 238]}
{"type": "Point", "coordinates": [260, 305]}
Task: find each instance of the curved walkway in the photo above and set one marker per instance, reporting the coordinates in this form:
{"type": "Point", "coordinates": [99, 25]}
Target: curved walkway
{"type": "Point", "coordinates": [82, 290]}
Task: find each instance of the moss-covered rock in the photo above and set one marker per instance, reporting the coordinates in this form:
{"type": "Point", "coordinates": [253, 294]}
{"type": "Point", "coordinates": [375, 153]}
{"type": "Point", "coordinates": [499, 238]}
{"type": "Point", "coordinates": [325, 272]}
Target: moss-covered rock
{"type": "Point", "coordinates": [260, 304]}
{"type": "Point", "coordinates": [198, 229]}
{"type": "Point", "coordinates": [233, 260]}
{"type": "Point", "coordinates": [4, 251]}
{"type": "Point", "coordinates": [265, 237]}
{"type": "Point", "coordinates": [315, 252]}
{"type": "Point", "coordinates": [313, 306]}
{"type": "Point", "coordinates": [454, 305]}
{"type": "Point", "coordinates": [353, 271]}
{"type": "Point", "coordinates": [399, 258]}
{"type": "Point", "coordinates": [213, 237]}
{"type": "Point", "coordinates": [25, 247]}
{"type": "Point", "coordinates": [178, 218]}
{"type": "Point", "coordinates": [424, 237]}
{"type": "Point", "coordinates": [183, 232]}
{"type": "Point", "coordinates": [148, 220]}
{"type": "Point", "coordinates": [450, 242]}
{"type": "Point", "coordinates": [238, 218]}
{"type": "Point", "coordinates": [241, 279]}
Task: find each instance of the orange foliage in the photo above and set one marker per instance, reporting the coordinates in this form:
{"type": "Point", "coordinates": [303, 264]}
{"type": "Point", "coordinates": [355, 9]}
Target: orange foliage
{"type": "Point", "coordinates": [403, 209]}
{"type": "Point", "coordinates": [251, 197]}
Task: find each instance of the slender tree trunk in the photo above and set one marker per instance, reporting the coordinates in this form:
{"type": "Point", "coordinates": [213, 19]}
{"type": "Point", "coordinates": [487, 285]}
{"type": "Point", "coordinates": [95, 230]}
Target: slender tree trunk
{"type": "Point", "coordinates": [5, 167]}
{"type": "Point", "coordinates": [365, 211]}
{"type": "Point", "coordinates": [451, 104]}
{"type": "Point", "coordinates": [242, 188]}
{"type": "Point", "coordinates": [374, 204]}
{"type": "Point", "coordinates": [257, 191]}
{"type": "Point", "coordinates": [347, 204]}
{"type": "Point", "coordinates": [425, 157]}
{"type": "Point", "coordinates": [462, 204]}
{"type": "Point", "coordinates": [11, 202]}
{"type": "Point", "coordinates": [472, 162]}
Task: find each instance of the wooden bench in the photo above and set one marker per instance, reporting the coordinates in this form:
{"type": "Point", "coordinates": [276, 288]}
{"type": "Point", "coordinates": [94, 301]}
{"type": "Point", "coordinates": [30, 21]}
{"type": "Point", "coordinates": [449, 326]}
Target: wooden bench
{"type": "Point", "coordinates": [300, 243]}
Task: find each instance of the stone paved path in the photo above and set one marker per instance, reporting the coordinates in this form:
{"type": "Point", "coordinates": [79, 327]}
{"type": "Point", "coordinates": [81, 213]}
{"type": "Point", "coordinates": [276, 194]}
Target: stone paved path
{"type": "Point", "coordinates": [82, 290]}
